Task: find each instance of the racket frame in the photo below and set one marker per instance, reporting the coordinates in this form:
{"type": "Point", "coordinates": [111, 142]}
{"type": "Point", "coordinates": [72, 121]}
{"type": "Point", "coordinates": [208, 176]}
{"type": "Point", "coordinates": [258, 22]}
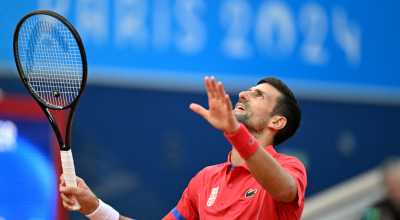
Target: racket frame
{"type": "Point", "coordinates": [42, 103]}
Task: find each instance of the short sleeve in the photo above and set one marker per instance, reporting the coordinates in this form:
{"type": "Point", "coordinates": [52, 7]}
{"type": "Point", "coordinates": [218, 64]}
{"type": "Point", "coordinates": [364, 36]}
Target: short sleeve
{"type": "Point", "coordinates": [187, 206]}
{"type": "Point", "coordinates": [296, 169]}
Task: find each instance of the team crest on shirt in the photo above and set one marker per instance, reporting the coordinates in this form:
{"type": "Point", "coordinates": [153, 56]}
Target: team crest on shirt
{"type": "Point", "coordinates": [213, 196]}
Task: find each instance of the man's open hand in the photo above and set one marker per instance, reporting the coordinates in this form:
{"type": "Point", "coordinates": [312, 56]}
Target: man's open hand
{"type": "Point", "coordinates": [220, 114]}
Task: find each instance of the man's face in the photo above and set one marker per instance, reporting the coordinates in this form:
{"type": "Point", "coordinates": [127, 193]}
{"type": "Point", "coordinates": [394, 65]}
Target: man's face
{"type": "Point", "coordinates": [255, 106]}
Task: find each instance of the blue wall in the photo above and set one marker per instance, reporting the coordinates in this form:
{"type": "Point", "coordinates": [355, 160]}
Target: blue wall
{"type": "Point", "coordinates": [351, 47]}
{"type": "Point", "coordinates": [138, 149]}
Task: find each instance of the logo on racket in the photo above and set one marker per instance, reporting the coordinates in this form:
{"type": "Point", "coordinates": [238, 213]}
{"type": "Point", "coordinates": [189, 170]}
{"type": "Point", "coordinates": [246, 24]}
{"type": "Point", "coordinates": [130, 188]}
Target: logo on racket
{"type": "Point", "coordinates": [213, 196]}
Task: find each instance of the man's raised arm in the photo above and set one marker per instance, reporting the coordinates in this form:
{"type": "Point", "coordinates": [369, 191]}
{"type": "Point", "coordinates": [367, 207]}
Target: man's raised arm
{"type": "Point", "coordinates": [265, 169]}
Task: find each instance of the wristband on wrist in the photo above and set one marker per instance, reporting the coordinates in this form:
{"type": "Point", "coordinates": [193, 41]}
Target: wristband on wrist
{"type": "Point", "coordinates": [243, 142]}
{"type": "Point", "coordinates": [104, 212]}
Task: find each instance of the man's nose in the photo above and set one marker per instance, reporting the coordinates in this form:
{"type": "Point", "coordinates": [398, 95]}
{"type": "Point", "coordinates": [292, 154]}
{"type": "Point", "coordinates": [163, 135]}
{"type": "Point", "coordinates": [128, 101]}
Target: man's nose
{"type": "Point", "coordinates": [244, 96]}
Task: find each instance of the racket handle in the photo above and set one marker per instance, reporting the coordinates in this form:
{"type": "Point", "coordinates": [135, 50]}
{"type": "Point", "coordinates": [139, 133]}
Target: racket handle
{"type": "Point", "coordinates": [69, 174]}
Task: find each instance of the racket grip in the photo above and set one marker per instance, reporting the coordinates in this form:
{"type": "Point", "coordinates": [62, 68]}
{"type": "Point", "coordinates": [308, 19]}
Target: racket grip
{"type": "Point", "coordinates": [69, 174]}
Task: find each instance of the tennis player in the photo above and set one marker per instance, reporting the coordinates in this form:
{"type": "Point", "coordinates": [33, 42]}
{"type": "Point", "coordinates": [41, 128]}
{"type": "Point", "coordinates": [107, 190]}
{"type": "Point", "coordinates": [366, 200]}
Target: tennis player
{"type": "Point", "coordinates": [255, 183]}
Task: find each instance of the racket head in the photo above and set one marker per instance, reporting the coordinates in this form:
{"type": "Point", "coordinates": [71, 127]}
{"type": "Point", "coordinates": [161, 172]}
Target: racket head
{"type": "Point", "coordinates": [50, 59]}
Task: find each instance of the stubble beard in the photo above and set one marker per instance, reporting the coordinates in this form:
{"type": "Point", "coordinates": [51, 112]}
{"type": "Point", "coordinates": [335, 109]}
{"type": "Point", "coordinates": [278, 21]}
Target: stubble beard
{"type": "Point", "coordinates": [246, 120]}
{"type": "Point", "coordinates": [243, 118]}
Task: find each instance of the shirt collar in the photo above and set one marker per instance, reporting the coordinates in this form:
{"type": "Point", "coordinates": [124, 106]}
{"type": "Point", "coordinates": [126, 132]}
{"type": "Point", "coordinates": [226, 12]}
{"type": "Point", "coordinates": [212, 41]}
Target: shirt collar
{"type": "Point", "coordinates": [270, 149]}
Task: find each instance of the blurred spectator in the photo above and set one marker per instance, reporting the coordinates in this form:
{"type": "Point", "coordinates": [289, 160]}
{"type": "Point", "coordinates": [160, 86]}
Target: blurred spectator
{"type": "Point", "coordinates": [389, 208]}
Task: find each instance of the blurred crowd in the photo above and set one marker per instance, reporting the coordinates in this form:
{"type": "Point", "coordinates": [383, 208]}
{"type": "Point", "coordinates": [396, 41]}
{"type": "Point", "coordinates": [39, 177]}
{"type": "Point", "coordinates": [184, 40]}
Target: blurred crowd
{"type": "Point", "coordinates": [389, 208]}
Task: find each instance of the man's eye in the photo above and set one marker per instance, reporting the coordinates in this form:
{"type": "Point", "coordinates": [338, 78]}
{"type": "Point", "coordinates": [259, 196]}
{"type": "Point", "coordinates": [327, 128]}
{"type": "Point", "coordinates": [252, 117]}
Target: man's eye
{"type": "Point", "coordinates": [260, 96]}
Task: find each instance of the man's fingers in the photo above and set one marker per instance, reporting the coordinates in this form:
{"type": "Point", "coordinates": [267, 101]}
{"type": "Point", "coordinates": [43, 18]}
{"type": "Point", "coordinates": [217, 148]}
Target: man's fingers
{"type": "Point", "coordinates": [228, 103]}
{"type": "Point", "coordinates": [67, 206]}
{"type": "Point", "coordinates": [210, 94]}
{"type": "Point", "coordinates": [221, 92]}
{"type": "Point", "coordinates": [214, 88]}
{"type": "Point", "coordinates": [61, 186]}
{"type": "Point", "coordinates": [198, 109]}
{"type": "Point", "coordinates": [70, 190]}
{"type": "Point", "coordinates": [67, 202]}
{"type": "Point", "coordinates": [67, 199]}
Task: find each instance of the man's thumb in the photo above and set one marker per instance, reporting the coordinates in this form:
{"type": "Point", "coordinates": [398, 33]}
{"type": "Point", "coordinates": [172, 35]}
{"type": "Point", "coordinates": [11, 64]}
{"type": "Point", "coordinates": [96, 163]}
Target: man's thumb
{"type": "Point", "coordinates": [198, 109]}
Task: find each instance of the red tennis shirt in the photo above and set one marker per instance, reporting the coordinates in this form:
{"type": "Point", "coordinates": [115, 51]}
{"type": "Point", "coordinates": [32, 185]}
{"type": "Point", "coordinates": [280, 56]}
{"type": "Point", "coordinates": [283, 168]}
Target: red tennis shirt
{"type": "Point", "coordinates": [225, 191]}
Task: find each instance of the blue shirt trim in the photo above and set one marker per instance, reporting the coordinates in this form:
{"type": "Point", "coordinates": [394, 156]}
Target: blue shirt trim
{"type": "Point", "coordinates": [177, 215]}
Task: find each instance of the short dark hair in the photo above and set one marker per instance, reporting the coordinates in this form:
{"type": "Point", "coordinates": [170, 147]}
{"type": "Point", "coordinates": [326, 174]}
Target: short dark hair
{"type": "Point", "coordinates": [286, 106]}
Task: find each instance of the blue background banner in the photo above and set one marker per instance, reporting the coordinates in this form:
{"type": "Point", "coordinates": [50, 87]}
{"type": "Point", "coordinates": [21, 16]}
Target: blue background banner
{"type": "Point", "coordinates": [344, 47]}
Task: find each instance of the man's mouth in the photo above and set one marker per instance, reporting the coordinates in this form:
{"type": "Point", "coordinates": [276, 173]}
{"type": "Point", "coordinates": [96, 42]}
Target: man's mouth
{"type": "Point", "coordinates": [240, 107]}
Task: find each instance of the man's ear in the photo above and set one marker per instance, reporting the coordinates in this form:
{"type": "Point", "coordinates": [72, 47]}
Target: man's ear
{"type": "Point", "coordinates": [277, 122]}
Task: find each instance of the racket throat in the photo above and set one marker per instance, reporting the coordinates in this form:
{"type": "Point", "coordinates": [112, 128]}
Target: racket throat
{"type": "Point", "coordinates": [57, 132]}
{"type": "Point", "coordinates": [69, 127]}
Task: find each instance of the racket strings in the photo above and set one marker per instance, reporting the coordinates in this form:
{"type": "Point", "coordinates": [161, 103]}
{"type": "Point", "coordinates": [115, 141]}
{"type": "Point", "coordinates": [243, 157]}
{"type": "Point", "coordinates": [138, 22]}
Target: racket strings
{"type": "Point", "coordinates": [51, 59]}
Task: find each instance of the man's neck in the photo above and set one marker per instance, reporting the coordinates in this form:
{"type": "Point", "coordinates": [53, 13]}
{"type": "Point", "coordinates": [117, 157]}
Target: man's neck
{"type": "Point", "coordinates": [263, 139]}
{"type": "Point", "coordinates": [235, 158]}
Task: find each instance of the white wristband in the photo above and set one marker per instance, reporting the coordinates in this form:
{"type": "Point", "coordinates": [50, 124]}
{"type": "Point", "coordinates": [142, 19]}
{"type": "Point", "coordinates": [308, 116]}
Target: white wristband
{"type": "Point", "coordinates": [104, 212]}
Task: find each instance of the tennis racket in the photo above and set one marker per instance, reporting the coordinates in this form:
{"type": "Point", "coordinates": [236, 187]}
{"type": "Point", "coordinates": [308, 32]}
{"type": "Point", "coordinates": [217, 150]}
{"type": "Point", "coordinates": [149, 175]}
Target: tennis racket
{"type": "Point", "coordinates": [51, 62]}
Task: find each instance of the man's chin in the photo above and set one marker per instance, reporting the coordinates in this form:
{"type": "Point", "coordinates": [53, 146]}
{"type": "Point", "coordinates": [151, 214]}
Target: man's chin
{"type": "Point", "coordinates": [241, 117]}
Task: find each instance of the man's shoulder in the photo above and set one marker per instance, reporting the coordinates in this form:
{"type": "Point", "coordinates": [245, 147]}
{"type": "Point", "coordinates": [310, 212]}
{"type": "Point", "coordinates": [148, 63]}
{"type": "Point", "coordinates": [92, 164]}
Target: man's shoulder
{"type": "Point", "coordinates": [209, 172]}
{"type": "Point", "coordinates": [289, 161]}
{"type": "Point", "coordinates": [213, 169]}
{"type": "Point", "coordinates": [286, 158]}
